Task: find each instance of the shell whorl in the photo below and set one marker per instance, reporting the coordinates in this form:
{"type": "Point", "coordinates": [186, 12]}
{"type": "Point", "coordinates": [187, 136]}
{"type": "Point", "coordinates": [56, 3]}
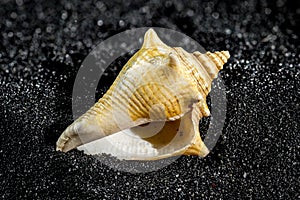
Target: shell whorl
{"type": "Point", "coordinates": [212, 62]}
{"type": "Point", "coordinates": [219, 58]}
{"type": "Point", "coordinates": [202, 67]}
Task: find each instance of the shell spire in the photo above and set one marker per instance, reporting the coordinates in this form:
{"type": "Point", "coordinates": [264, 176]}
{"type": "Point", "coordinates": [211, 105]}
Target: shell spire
{"type": "Point", "coordinates": [212, 62]}
{"type": "Point", "coordinates": [162, 88]}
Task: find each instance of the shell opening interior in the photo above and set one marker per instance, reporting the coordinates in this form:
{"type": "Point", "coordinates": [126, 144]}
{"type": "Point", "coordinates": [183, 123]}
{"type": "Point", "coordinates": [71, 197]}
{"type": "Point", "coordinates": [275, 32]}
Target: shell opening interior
{"type": "Point", "coordinates": [156, 139]}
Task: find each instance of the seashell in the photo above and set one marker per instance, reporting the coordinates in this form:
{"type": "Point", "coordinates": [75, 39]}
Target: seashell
{"type": "Point", "coordinates": [153, 108]}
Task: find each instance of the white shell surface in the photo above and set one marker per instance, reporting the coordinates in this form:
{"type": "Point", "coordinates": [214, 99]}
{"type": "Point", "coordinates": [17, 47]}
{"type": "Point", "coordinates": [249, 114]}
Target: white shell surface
{"type": "Point", "coordinates": [132, 144]}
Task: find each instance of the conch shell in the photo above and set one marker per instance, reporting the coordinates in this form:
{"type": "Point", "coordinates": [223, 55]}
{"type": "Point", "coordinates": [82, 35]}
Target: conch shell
{"type": "Point", "coordinates": [153, 108]}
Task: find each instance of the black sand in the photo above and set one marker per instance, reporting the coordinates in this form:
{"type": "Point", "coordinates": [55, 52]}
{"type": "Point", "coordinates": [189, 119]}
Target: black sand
{"type": "Point", "coordinates": [42, 46]}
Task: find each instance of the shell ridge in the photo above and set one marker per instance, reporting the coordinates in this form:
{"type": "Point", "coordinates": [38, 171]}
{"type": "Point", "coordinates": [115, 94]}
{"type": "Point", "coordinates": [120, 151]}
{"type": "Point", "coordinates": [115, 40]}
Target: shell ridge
{"type": "Point", "coordinates": [188, 67]}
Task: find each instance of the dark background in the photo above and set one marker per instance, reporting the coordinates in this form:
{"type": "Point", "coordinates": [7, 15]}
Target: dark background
{"type": "Point", "coordinates": [42, 44]}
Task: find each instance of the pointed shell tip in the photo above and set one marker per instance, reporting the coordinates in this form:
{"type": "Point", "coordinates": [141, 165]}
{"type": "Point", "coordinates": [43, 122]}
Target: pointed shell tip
{"type": "Point", "coordinates": [151, 40]}
{"type": "Point", "coordinates": [226, 54]}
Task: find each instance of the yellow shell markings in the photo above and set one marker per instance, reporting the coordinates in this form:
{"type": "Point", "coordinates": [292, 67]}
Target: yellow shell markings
{"type": "Point", "coordinates": [160, 85]}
